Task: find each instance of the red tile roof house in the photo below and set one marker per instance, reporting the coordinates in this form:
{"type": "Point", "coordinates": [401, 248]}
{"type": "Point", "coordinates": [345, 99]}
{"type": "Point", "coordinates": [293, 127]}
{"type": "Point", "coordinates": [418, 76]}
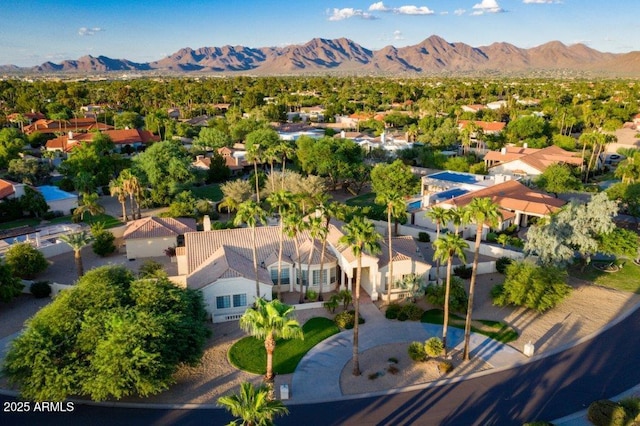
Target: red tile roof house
{"type": "Point", "coordinates": [9, 189]}
{"type": "Point", "coordinates": [151, 236]}
{"type": "Point", "coordinates": [63, 126]}
{"type": "Point", "coordinates": [528, 162]}
{"type": "Point", "coordinates": [220, 264]}
{"type": "Point", "coordinates": [518, 203]}
{"type": "Point", "coordinates": [133, 138]}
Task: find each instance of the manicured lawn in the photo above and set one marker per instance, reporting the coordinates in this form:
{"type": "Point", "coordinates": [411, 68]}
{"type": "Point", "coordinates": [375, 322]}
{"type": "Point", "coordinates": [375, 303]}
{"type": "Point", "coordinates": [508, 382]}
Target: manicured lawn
{"type": "Point", "coordinates": [109, 221]}
{"type": "Point", "coordinates": [492, 329]}
{"type": "Point", "coordinates": [210, 192]}
{"type": "Point", "coordinates": [377, 211]}
{"type": "Point", "coordinates": [20, 222]}
{"type": "Point", "coordinates": [627, 279]}
{"type": "Point", "coordinates": [248, 354]}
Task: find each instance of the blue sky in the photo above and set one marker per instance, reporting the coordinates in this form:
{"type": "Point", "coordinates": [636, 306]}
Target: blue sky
{"type": "Point", "coordinates": [35, 31]}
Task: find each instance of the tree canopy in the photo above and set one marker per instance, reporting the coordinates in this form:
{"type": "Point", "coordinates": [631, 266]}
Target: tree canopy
{"type": "Point", "coordinates": [111, 336]}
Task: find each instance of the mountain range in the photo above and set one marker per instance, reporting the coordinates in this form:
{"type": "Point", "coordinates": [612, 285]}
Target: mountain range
{"type": "Point", "coordinates": [434, 55]}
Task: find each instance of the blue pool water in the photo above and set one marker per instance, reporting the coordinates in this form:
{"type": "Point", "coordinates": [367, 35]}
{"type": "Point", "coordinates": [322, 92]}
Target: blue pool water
{"type": "Point", "coordinates": [454, 177]}
{"type": "Point", "coordinates": [53, 193]}
{"type": "Point", "coordinates": [414, 205]}
{"type": "Point", "coordinates": [451, 193]}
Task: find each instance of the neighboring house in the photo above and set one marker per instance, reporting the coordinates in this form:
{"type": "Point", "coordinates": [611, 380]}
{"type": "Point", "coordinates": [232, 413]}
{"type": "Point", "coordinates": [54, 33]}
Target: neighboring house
{"type": "Point", "coordinates": [123, 139]}
{"type": "Point", "coordinates": [235, 159]}
{"type": "Point", "coordinates": [497, 105]}
{"type": "Point", "coordinates": [528, 162]}
{"type": "Point", "coordinates": [487, 127]}
{"type": "Point", "coordinates": [9, 189]}
{"type": "Point", "coordinates": [151, 236]}
{"type": "Point", "coordinates": [518, 204]}
{"type": "Point", "coordinates": [29, 117]}
{"type": "Point", "coordinates": [201, 162]}
{"type": "Point", "coordinates": [473, 108]}
{"type": "Point", "coordinates": [63, 126]}
{"type": "Point", "coordinates": [386, 141]}
{"type": "Point", "coordinates": [220, 264]}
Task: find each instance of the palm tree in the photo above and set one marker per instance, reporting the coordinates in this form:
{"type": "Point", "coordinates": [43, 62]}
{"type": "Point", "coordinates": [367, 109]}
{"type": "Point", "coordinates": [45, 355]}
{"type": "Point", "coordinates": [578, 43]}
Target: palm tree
{"type": "Point", "coordinates": [327, 211]}
{"type": "Point", "coordinates": [445, 249]}
{"type": "Point", "coordinates": [503, 239]}
{"type": "Point", "coordinates": [361, 236]}
{"type": "Point", "coordinates": [116, 189]}
{"type": "Point", "coordinates": [253, 155]}
{"type": "Point", "coordinates": [234, 193]}
{"type": "Point", "coordinates": [480, 211]}
{"type": "Point", "coordinates": [271, 320]}
{"type": "Point", "coordinates": [457, 216]}
{"type": "Point", "coordinates": [253, 405]}
{"type": "Point", "coordinates": [395, 204]}
{"type": "Point", "coordinates": [293, 225]}
{"type": "Point", "coordinates": [271, 156]}
{"type": "Point", "coordinates": [89, 205]}
{"type": "Point", "coordinates": [316, 231]}
{"type": "Point", "coordinates": [283, 201]}
{"type": "Point", "coordinates": [439, 216]}
{"type": "Point", "coordinates": [285, 151]}
{"type": "Point", "coordinates": [251, 213]}
{"type": "Point", "coordinates": [132, 186]}
{"type": "Point", "coordinates": [77, 241]}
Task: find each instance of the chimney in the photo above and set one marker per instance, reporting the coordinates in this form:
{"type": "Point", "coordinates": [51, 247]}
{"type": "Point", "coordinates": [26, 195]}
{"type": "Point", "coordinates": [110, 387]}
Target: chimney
{"type": "Point", "coordinates": [70, 135]}
{"type": "Point", "coordinates": [206, 223]}
{"type": "Point", "coordinates": [199, 157]}
{"type": "Point", "coordinates": [525, 145]}
{"type": "Point", "coordinates": [503, 151]}
{"type": "Point", "coordinates": [383, 137]}
{"type": "Point", "coordinates": [343, 134]}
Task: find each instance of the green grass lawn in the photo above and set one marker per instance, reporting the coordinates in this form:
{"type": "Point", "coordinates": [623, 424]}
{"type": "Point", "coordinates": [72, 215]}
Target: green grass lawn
{"type": "Point", "coordinates": [377, 211]}
{"type": "Point", "coordinates": [210, 192]}
{"type": "Point", "coordinates": [492, 329]}
{"type": "Point", "coordinates": [248, 354]}
{"type": "Point", "coordinates": [627, 279]}
{"type": "Point", "coordinates": [108, 220]}
{"type": "Point", "coordinates": [18, 223]}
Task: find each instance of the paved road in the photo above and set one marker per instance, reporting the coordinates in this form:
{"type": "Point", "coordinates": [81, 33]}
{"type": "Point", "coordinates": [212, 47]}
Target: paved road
{"type": "Point", "coordinates": [547, 388]}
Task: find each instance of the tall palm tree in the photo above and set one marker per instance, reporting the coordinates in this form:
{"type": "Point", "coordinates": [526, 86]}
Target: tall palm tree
{"type": "Point", "coordinates": [253, 155]}
{"type": "Point", "coordinates": [395, 204]}
{"type": "Point", "coordinates": [445, 249]}
{"type": "Point", "coordinates": [268, 321]}
{"type": "Point", "coordinates": [316, 231]}
{"type": "Point", "coordinates": [77, 241]}
{"type": "Point", "coordinates": [285, 150]}
{"type": "Point", "coordinates": [133, 188]}
{"type": "Point", "coordinates": [361, 236]}
{"type": "Point", "coordinates": [116, 189]}
{"type": "Point", "coordinates": [480, 211]}
{"type": "Point", "coordinates": [439, 216]}
{"type": "Point", "coordinates": [327, 210]}
{"type": "Point", "coordinates": [294, 224]}
{"type": "Point", "coordinates": [282, 201]}
{"type": "Point", "coordinates": [89, 205]}
{"type": "Point", "coordinates": [271, 156]}
{"type": "Point", "coordinates": [253, 405]}
{"type": "Point", "coordinates": [251, 214]}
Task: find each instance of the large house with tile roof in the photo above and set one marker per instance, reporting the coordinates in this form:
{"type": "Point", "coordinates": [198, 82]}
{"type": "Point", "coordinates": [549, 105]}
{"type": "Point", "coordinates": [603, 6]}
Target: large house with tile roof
{"type": "Point", "coordinates": [528, 162]}
{"type": "Point", "coordinates": [9, 189]}
{"type": "Point", "coordinates": [220, 264]}
{"type": "Point", "coordinates": [151, 236]}
{"type": "Point", "coordinates": [132, 138]}
{"type": "Point", "coordinates": [63, 126]}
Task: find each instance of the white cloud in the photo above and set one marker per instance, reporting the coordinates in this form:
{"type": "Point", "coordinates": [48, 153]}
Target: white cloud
{"type": "Point", "coordinates": [348, 12]}
{"type": "Point", "coordinates": [397, 35]}
{"type": "Point", "coordinates": [487, 6]}
{"type": "Point", "coordinates": [414, 10]}
{"type": "Point", "coordinates": [459, 12]}
{"type": "Point", "coordinates": [85, 31]}
{"type": "Point", "coordinates": [379, 7]}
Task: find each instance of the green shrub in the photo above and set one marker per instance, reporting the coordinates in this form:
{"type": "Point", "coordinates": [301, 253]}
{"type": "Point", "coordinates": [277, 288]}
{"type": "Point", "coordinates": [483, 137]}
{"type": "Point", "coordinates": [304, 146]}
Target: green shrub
{"type": "Point", "coordinates": [25, 260]}
{"type": "Point", "coordinates": [458, 298]}
{"type": "Point", "coordinates": [412, 311]}
{"type": "Point", "coordinates": [40, 289]}
{"type": "Point", "coordinates": [103, 243]}
{"type": "Point", "coordinates": [434, 347]}
{"type": "Point", "coordinates": [463, 271]}
{"type": "Point", "coordinates": [492, 237]}
{"type": "Point", "coordinates": [346, 298]}
{"type": "Point", "coordinates": [393, 360]}
{"type": "Point", "coordinates": [511, 229]}
{"type": "Point", "coordinates": [516, 242]}
{"type": "Point", "coordinates": [392, 311]}
{"type": "Point", "coordinates": [423, 237]}
{"type": "Point", "coordinates": [403, 316]}
{"type": "Point", "coordinates": [502, 263]}
{"type": "Point", "coordinates": [150, 268]}
{"type": "Point", "coordinates": [332, 304]}
{"type": "Point", "coordinates": [607, 413]}
{"type": "Point", "coordinates": [445, 366]}
{"type": "Point", "coordinates": [416, 351]}
{"type": "Point", "coordinates": [311, 295]}
{"type": "Point", "coordinates": [345, 320]}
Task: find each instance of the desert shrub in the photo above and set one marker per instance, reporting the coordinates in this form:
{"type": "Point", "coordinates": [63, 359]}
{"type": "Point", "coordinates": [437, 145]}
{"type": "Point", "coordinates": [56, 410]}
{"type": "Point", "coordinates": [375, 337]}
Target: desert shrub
{"type": "Point", "coordinates": [445, 366]}
{"type": "Point", "coordinates": [511, 229]}
{"type": "Point", "coordinates": [393, 360]}
{"type": "Point", "coordinates": [516, 242]}
{"type": "Point", "coordinates": [402, 316]}
{"type": "Point", "coordinates": [632, 407]}
{"type": "Point", "coordinates": [412, 311]}
{"type": "Point", "coordinates": [458, 298]}
{"type": "Point", "coordinates": [434, 347]}
{"type": "Point", "coordinates": [492, 237]}
{"type": "Point", "coordinates": [392, 311]}
{"type": "Point", "coordinates": [532, 286]}
{"type": "Point", "coordinates": [311, 295]}
{"type": "Point", "coordinates": [40, 289]}
{"type": "Point", "coordinates": [373, 376]}
{"type": "Point", "coordinates": [25, 260]}
{"type": "Point", "coordinates": [416, 351]}
{"type": "Point", "coordinates": [423, 237]}
{"type": "Point", "coordinates": [103, 243]}
{"type": "Point", "coordinates": [463, 271]}
{"type": "Point", "coordinates": [345, 320]}
{"type": "Point", "coordinates": [346, 298]}
{"type": "Point", "coordinates": [332, 304]}
{"type": "Point", "coordinates": [607, 413]}
{"type": "Point", "coordinates": [502, 263]}
{"type": "Point", "coordinates": [392, 369]}
{"type": "Point", "coordinates": [150, 268]}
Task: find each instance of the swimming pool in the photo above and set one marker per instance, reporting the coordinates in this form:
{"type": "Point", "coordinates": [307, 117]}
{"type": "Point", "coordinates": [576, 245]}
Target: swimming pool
{"type": "Point", "coordinates": [53, 193]}
{"type": "Point", "coordinates": [451, 193]}
{"type": "Point", "coordinates": [454, 177]}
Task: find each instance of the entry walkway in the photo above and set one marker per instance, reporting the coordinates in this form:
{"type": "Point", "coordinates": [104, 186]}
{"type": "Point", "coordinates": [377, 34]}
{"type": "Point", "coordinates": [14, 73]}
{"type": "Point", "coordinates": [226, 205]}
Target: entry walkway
{"type": "Point", "coordinates": [317, 377]}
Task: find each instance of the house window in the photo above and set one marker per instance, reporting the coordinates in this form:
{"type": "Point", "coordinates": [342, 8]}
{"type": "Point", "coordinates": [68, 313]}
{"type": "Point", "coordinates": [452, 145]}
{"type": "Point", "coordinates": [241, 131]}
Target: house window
{"type": "Point", "coordinates": [223, 302]}
{"type": "Point", "coordinates": [284, 275]}
{"type": "Point", "coordinates": [304, 277]}
{"type": "Point", "coordinates": [239, 300]}
{"type": "Point", "coordinates": [333, 275]}
{"type": "Point", "coordinates": [316, 277]}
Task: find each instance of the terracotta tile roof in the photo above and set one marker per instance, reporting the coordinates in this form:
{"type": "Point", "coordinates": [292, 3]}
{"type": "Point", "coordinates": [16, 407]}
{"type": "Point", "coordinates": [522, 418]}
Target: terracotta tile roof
{"type": "Point", "coordinates": [513, 196]}
{"type": "Point", "coordinates": [404, 248]}
{"type": "Point", "coordinates": [486, 126]}
{"type": "Point", "coordinates": [510, 153]}
{"type": "Point", "coordinates": [119, 137]}
{"type": "Point", "coordinates": [158, 227]}
{"type": "Point", "coordinates": [6, 188]}
{"type": "Point", "coordinates": [539, 159]}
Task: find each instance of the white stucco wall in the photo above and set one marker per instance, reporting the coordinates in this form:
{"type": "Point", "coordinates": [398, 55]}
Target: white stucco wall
{"type": "Point", "coordinates": [65, 205]}
{"type": "Point", "coordinates": [229, 287]}
{"type": "Point", "coordinates": [151, 247]}
{"type": "Point", "coordinates": [509, 167]}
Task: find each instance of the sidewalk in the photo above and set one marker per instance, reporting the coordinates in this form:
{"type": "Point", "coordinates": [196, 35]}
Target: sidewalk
{"type": "Point", "coordinates": [331, 355]}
